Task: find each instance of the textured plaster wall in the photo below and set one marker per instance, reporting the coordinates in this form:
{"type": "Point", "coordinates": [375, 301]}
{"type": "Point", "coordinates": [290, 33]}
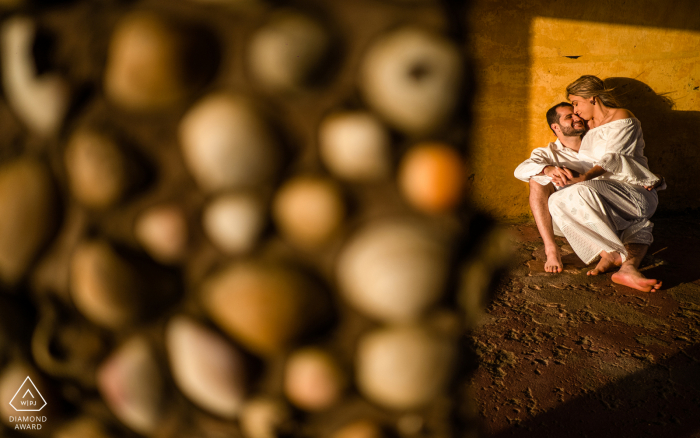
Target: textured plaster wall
{"type": "Point", "coordinates": [523, 62]}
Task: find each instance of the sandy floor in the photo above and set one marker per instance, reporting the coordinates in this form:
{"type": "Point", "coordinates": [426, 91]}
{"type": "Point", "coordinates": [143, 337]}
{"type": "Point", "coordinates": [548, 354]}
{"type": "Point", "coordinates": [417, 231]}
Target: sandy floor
{"type": "Point", "coordinates": [569, 355]}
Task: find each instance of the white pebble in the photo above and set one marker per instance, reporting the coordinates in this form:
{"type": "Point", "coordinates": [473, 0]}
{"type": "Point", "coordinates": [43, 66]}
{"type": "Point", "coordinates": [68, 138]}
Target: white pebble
{"type": "Point", "coordinates": [131, 385]}
{"type": "Point", "coordinates": [40, 101]}
{"type": "Point", "coordinates": [226, 144]}
{"type": "Point", "coordinates": [206, 367]}
{"type": "Point", "coordinates": [394, 270]}
{"type": "Point", "coordinates": [404, 367]}
{"type": "Point", "coordinates": [355, 146]}
{"type": "Point", "coordinates": [413, 78]}
{"type": "Point", "coordinates": [234, 222]}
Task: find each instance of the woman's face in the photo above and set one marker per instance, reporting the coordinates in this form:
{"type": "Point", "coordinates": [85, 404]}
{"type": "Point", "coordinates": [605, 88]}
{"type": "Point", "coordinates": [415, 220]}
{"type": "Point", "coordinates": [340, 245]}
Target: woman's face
{"type": "Point", "coordinates": [582, 106]}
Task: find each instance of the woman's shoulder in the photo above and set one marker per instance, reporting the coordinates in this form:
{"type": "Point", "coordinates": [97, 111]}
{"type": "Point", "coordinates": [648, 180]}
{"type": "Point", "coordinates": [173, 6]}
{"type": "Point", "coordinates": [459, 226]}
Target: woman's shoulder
{"type": "Point", "coordinates": [621, 120]}
{"type": "Point", "coordinates": [622, 114]}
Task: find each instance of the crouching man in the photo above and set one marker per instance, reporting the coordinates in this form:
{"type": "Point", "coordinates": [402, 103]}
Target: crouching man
{"type": "Point", "coordinates": [549, 169]}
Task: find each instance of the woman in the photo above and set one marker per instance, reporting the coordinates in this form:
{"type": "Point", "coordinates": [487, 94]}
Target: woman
{"type": "Point", "coordinates": [607, 213]}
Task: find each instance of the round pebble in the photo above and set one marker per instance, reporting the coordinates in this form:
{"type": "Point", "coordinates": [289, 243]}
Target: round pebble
{"type": "Point", "coordinates": [162, 231]}
{"type": "Point", "coordinates": [404, 367]}
{"type": "Point", "coordinates": [432, 177]}
{"type": "Point", "coordinates": [394, 270]}
{"type": "Point", "coordinates": [309, 210]}
{"type": "Point", "coordinates": [28, 215]}
{"type": "Point", "coordinates": [355, 146]}
{"type": "Point", "coordinates": [206, 367]}
{"type": "Point", "coordinates": [105, 287]}
{"type": "Point", "coordinates": [131, 384]}
{"type": "Point", "coordinates": [287, 51]}
{"type": "Point", "coordinates": [227, 145]}
{"type": "Point", "coordinates": [234, 222]}
{"type": "Point", "coordinates": [97, 169]}
{"type": "Point", "coordinates": [313, 380]}
{"type": "Point", "coordinates": [265, 307]}
{"type": "Point", "coordinates": [145, 62]}
{"type": "Point", "coordinates": [412, 77]}
{"type": "Point", "coordinates": [265, 417]}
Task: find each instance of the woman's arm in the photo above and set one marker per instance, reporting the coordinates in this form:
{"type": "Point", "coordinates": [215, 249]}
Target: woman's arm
{"type": "Point", "coordinates": [623, 154]}
{"type": "Point", "coordinates": [595, 172]}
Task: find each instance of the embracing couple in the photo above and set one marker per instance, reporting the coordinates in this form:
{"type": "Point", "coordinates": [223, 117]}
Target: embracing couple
{"type": "Point", "coordinates": [593, 185]}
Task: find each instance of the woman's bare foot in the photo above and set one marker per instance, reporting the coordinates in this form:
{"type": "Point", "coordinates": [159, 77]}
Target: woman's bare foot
{"type": "Point", "coordinates": [608, 261]}
{"type": "Point", "coordinates": [553, 263]}
{"type": "Point", "coordinates": [629, 276]}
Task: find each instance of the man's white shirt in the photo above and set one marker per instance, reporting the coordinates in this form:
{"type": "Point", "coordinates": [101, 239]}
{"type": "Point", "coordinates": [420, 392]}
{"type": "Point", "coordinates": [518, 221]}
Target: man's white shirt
{"type": "Point", "coordinates": [554, 154]}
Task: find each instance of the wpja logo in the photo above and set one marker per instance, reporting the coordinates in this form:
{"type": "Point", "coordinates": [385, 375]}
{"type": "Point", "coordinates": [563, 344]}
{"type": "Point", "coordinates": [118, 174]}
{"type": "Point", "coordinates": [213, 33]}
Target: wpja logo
{"type": "Point", "coordinates": [28, 399]}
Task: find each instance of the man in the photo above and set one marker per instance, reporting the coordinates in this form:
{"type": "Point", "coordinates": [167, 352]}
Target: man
{"type": "Point", "coordinates": [557, 167]}
{"type": "Point", "coordinates": [549, 169]}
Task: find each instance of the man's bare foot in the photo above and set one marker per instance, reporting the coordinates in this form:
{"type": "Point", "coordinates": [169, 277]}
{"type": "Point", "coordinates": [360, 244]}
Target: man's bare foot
{"type": "Point", "coordinates": [553, 263]}
{"type": "Point", "coordinates": [629, 276]}
{"type": "Point", "coordinates": [608, 261]}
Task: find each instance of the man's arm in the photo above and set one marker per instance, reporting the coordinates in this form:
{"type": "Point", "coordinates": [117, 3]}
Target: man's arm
{"type": "Point", "coordinates": [538, 165]}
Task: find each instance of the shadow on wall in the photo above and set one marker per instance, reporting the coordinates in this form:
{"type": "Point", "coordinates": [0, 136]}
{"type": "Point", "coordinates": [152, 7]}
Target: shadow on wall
{"type": "Point", "coordinates": [672, 144]}
{"type": "Point", "coordinates": [659, 401]}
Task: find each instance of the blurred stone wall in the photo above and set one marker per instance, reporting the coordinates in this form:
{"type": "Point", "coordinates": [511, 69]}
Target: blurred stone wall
{"type": "Point", "coordinates": [238, 218]}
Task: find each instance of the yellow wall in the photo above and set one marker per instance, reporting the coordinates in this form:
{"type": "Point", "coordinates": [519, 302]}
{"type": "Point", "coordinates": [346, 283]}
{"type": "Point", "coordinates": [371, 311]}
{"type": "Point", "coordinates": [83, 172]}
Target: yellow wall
{"type": "Point", "coordinates": [521, 64]}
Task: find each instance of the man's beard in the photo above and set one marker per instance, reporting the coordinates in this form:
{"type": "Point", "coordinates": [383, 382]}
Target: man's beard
{"type": "Point", "coordinates": [570, 131]}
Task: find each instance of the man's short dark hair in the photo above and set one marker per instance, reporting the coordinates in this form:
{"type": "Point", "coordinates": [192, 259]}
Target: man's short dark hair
{"type": "Point", "coordinates": [553, 115]}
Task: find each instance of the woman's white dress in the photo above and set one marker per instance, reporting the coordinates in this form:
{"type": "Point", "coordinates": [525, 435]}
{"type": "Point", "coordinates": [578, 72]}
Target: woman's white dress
{"type": "Point", "coordinates": [614, 209]}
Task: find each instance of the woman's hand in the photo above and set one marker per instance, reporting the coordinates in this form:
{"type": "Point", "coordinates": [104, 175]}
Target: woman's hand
{"type": "Point", "coordinates": [560, 175]}
{"type": "Point", "coordinates": [595, 172]}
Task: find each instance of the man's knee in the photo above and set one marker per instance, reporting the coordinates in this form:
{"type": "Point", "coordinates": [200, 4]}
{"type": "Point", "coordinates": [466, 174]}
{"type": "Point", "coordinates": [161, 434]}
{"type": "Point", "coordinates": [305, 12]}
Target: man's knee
{"type": "Point", "coordinates": [538, 191]}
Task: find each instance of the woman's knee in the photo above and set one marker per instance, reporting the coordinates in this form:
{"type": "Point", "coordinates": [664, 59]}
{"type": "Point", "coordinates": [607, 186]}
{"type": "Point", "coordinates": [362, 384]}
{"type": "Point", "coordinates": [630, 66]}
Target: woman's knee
{"type": "Point", "coordinates": [556, 200]}
{"type": "Point", "coordinates": [573, 196]}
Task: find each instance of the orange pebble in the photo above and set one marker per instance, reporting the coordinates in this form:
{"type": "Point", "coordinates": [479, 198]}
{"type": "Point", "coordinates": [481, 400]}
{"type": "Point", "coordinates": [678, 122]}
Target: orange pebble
{"type": "Point", "coordinates": [431, 177]}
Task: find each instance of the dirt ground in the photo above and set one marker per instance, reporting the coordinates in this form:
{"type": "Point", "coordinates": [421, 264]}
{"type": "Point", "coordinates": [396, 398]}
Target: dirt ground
{"type": "Point", "coordinates": [579, 356]}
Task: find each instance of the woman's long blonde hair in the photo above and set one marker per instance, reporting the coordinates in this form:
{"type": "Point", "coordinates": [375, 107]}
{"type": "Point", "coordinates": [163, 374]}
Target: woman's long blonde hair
{"type": "Point", "coordinates": [591, 86]}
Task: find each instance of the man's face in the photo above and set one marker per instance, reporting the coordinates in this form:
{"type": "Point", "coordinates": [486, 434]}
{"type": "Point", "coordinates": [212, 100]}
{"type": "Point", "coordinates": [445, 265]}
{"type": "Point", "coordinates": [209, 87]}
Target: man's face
{"type": "Point", "coordinates": [570, 124]}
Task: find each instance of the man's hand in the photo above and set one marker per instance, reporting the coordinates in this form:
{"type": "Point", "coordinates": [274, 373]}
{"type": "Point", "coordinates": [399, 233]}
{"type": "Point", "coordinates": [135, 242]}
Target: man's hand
{"type": "Point", "coordinates": [561, 176]}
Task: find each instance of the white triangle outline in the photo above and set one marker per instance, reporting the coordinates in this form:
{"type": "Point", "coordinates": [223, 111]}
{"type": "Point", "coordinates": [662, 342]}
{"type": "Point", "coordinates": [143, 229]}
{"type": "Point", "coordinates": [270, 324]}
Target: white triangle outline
{"type": "Point", "coordinates": [37, 391]}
